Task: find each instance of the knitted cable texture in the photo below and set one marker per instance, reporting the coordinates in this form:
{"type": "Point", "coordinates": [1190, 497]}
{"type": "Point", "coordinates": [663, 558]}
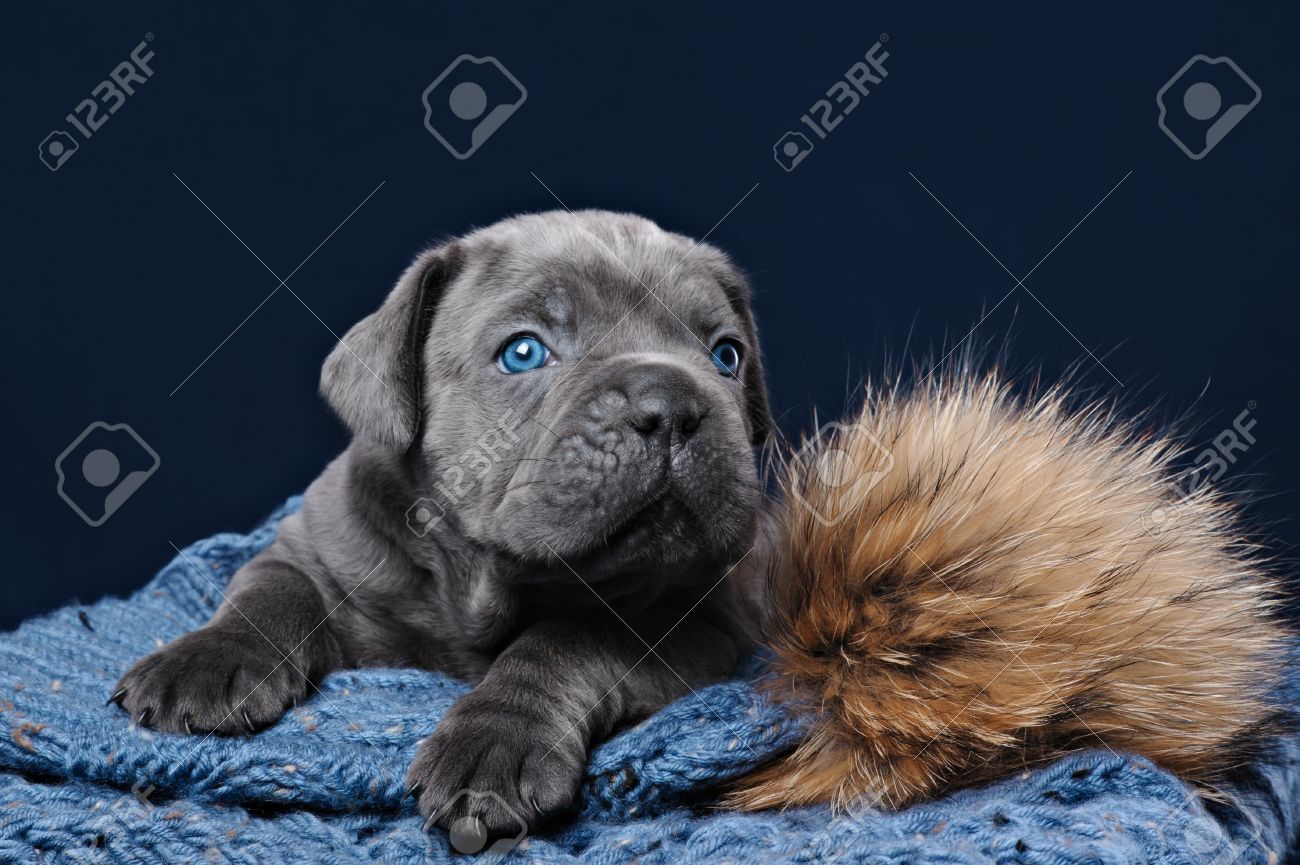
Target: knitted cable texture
{"type": "Point", "coordinates": [81, 783]}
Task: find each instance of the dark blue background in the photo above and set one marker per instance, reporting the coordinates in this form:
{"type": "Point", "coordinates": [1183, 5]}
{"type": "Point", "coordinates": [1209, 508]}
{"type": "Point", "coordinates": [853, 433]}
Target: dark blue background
{"type": "Point", "coordinates": [119, 282]}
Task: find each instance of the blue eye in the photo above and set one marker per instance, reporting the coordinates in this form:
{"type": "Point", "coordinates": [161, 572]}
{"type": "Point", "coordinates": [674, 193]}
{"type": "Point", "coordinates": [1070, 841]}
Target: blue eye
{"type": "Point", "coordinates": [522, 354]}
{"type": "Point", "coordinates": [726, 357]}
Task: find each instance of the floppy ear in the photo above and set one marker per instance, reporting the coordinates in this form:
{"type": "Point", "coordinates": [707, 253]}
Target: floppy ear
{"type": "Point", "coordinates": [373, 379]}
{"type": "Point", "coordinates": [756, 405]}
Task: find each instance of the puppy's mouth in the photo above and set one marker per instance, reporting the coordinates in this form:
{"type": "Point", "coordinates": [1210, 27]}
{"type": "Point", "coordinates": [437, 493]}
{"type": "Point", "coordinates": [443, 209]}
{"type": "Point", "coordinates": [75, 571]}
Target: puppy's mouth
{"type": "Point", "coordinates": [661, 537]}
{"type": "Point", "coordinates": [663, 513]}
{"type": "Point", "coordinates": [659, 533]}
{"type": "Point", "coordinates": [642, 526]}
{"type": "Point", "coordinates": [606, 512]}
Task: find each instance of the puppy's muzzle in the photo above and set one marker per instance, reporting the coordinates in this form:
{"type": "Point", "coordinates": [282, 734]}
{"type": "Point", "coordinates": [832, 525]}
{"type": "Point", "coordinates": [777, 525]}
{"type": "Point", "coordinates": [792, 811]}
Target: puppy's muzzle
{"type": "Point", "coordinates": [663, 405]}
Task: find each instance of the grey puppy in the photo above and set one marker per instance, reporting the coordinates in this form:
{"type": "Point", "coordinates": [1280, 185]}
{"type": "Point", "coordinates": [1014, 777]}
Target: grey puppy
{"type": "Point", "coordinates": [551, 472]}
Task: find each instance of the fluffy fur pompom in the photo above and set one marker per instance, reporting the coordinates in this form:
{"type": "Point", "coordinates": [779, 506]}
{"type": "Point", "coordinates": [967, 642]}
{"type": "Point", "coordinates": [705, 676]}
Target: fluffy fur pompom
{"type": "Point", "coordinates": [969, 583]}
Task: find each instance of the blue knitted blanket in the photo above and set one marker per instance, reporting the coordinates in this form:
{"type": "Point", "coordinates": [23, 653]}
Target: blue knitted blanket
{"type": "Point", "coordinates": [80, 783]}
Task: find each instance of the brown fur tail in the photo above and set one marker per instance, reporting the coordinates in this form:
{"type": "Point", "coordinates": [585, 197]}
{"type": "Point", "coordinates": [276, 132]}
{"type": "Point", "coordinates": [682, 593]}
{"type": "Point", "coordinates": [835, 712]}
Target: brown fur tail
{"type": "Point", "coordinates": [969, 583]}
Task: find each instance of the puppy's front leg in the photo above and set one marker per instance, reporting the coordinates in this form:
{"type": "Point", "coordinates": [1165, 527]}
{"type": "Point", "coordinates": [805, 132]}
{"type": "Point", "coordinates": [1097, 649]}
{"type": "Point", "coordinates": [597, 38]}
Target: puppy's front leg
{"type": "Point", "coordinates": [241, 670]}
{"type": "Point", "coordinates": [514, 749]}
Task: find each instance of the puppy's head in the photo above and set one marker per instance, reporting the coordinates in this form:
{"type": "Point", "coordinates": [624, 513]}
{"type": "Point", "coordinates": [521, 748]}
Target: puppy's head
{"type": "Point", "coordinates": [569, 389]}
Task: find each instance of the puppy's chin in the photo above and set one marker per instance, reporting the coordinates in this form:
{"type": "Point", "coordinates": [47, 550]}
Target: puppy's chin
{"type": "Point", "coordinates": [666, 538]}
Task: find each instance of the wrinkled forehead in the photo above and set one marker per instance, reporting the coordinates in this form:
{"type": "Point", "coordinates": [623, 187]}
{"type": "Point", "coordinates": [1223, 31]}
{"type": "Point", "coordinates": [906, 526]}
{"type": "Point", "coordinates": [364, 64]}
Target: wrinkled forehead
{"type": "Point", "coordinates": [581, 276]}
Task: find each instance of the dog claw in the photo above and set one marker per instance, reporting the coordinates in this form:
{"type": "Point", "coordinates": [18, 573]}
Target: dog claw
{"type": "Point", "coordinates": [145, 715]}
{"type": "Point", "coordinates": [415, 790]}
{"type": "Point", "coordinates": [188, 731]}
{"type": "Point", "coordinates": [248, 722]}
{"type": "Point", "coordinates": [117, 697]}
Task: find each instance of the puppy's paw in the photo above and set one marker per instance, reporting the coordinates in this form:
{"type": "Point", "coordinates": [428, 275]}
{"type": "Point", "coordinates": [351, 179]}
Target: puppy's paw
{"type": "Point", "coordinates": [493, 773]}
{"type": "Point", "coordinates": [214, 680]}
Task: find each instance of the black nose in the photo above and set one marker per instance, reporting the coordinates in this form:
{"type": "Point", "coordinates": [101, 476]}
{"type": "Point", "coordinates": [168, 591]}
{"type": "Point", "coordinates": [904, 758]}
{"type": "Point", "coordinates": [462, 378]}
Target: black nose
{"type": "Point", "coordinates": [663, 404]}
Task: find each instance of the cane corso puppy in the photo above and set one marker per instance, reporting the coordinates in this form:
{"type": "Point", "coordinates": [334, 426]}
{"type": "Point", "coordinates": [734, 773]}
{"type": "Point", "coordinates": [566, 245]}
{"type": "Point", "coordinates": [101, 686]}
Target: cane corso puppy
{"type": "Point", "coordinates": [551, 472]}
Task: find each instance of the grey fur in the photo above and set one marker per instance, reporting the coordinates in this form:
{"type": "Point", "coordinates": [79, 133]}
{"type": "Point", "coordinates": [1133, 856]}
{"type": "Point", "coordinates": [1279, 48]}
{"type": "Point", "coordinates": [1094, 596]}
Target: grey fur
{"type": "Point", "coordinates": [630, 461]}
